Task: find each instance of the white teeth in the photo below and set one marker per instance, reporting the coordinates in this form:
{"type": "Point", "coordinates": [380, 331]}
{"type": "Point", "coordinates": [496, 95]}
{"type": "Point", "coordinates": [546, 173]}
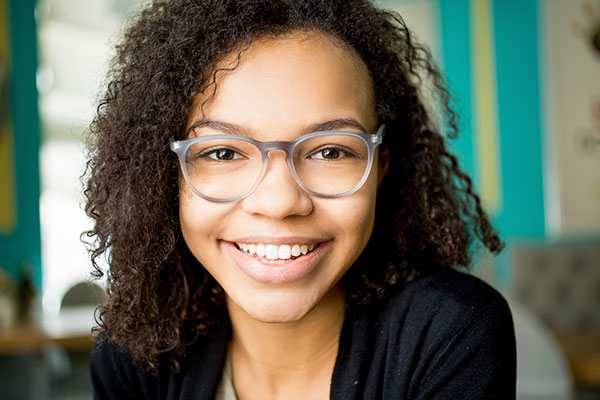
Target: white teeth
{"type": "Point", "coordinates": [296, 250]}
{"type": "Point", "coordinates": [274, 252]}
{"type": "Point", "coordinates": [285, 253]}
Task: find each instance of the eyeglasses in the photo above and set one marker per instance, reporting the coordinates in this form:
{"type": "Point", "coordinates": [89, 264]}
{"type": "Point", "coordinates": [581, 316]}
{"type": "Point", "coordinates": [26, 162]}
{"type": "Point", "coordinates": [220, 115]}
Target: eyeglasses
{"type": "Point", "coordinates": [225, 168]}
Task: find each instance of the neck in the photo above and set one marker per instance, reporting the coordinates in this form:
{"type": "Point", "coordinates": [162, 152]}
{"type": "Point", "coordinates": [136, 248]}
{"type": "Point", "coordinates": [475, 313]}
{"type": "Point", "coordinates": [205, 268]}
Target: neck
{"type": "Point", "coordinates": [284, 353]}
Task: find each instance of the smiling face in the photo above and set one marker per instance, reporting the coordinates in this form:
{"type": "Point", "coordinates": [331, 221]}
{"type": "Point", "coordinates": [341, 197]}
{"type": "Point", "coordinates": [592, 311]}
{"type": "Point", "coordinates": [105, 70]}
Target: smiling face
{"type": "Point", "coordinates": [280, 252]}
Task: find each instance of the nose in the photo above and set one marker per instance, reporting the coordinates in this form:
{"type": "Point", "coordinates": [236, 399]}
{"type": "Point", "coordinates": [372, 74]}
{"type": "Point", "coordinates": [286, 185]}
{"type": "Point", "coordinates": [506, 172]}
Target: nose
{"type": "Point", "coordinates": [278, 196]}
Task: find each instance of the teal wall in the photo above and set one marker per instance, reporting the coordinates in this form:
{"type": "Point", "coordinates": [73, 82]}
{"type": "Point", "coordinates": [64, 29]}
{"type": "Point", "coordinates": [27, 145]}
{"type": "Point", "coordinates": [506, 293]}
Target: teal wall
{"type": "Point", "coordinates": [516, 36]}
{"type": "Point", "coordinates": [519, 213]}
{"type": "Point", "coordinates": [520, 216]}
{"type": "Point", "coordinates": [23, 244]}
{"type": "Point", "coordinates": [515, 30]}
{"type": "Point", "coordinates": [455, 39]}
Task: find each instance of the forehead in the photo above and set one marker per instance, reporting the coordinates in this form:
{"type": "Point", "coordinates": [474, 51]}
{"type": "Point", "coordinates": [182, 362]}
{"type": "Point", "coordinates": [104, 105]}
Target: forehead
{"type": "Point", "coordinates": [287, 81]}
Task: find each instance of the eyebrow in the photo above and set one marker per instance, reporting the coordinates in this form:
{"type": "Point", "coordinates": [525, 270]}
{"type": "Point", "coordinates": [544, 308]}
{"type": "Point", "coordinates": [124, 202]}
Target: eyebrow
{"type": "Point", "coordinates": [234, 129]}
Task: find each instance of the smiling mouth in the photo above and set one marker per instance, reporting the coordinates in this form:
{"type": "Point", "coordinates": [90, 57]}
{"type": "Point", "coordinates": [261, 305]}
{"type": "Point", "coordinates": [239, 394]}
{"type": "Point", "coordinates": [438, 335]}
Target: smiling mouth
{"type": "Point", "coordinates": [275, 254]}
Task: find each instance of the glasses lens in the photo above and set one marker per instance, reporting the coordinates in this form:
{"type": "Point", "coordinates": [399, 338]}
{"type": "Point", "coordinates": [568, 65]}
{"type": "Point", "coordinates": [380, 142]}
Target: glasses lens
{"type": "Point", "coordinates": [223, 168]}
{"type": "Point", "coordinates": [331, 164]}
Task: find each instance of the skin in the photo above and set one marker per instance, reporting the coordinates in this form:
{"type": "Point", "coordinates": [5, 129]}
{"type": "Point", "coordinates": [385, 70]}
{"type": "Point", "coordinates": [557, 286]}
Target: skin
{"type": "Point", "coordinates": [285, 334]}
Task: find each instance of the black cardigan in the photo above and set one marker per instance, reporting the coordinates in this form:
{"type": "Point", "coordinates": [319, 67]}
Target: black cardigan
{"type": "Point", "coordinates": [444, 336]}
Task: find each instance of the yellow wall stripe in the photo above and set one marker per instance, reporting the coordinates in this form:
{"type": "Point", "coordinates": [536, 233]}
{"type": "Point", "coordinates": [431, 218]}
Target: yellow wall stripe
{"type": "Point", "coordinates": [8, 214]}
{"type": "Point", "coordinates": [485, 105]}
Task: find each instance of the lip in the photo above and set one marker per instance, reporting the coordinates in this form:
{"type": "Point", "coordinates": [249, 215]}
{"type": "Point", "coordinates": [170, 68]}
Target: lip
{"type": "Point", "coordinates": [277, 240]}
{"type": "Point", "coordinates": [288, 272]}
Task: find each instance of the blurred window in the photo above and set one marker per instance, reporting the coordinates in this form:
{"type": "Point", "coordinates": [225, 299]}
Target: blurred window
{"type": "Point", "coordinates": [75, 41]}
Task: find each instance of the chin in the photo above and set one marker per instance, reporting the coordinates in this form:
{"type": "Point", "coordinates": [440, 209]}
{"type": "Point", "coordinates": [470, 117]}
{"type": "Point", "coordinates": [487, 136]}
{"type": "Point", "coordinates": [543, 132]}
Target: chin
{"type": "Point", "coordinates": [276, 319]}
{"type": "Point", "coordinates": [275, 309]}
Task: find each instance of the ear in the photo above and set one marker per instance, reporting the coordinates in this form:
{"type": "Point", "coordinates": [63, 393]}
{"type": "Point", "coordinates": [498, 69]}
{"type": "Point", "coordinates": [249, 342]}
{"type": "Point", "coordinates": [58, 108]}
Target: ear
{"type": "Point", "coordinates": [384, 164]}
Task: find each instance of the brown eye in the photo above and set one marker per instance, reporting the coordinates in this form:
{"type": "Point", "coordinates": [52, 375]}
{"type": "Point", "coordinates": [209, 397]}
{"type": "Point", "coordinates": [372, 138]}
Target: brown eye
{"type": "Point", "coordinates": [221, 154]}
{"type": "Point", "coordinates": [330, 154]}
{"type": "Point", "coordinates": [224, 154]}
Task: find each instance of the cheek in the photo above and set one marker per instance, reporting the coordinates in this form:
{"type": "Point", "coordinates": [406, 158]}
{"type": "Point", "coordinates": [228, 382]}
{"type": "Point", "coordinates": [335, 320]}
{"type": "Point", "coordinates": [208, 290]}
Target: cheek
{"type": "Point", "coordinates": [200, 222]}
{"type": "Point", "coordinates": [364, 212]}
{"type": "Point", "coordinates": [187, 211]}
{"type": "Point", "coordinates": [363, 216]}
{"type": "Point", "coordinates": [355, 215]}
{"type": "Point", "coordinates": [188, 219]}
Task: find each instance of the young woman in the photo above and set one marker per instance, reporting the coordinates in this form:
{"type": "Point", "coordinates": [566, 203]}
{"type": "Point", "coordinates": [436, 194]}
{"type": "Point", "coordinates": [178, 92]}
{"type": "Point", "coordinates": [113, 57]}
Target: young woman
{"type": "Point", "coordinates": [281, 216]}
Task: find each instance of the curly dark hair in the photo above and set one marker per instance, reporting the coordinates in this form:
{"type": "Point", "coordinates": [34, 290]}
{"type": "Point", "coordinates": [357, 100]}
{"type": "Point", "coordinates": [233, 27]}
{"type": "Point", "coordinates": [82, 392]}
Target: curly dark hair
{"type": "Point", "coordinates": [161, 300]}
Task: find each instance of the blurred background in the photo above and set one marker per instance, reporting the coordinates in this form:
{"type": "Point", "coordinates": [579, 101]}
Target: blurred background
{"type": "Point", "coordinates": [526, 78]}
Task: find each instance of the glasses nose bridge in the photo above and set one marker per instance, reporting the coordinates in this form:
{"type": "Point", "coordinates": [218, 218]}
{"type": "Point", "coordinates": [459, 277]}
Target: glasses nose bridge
{"type": "Point", "coordinates": [267, 147]}
{"type": "Point", "coordinates": [286, 147]}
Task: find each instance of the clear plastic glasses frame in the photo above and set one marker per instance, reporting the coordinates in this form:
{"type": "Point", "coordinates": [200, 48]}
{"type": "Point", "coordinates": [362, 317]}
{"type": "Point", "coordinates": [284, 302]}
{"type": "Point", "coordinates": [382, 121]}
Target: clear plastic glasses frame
{"type": "Point", "coordinates": [182, 148]}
